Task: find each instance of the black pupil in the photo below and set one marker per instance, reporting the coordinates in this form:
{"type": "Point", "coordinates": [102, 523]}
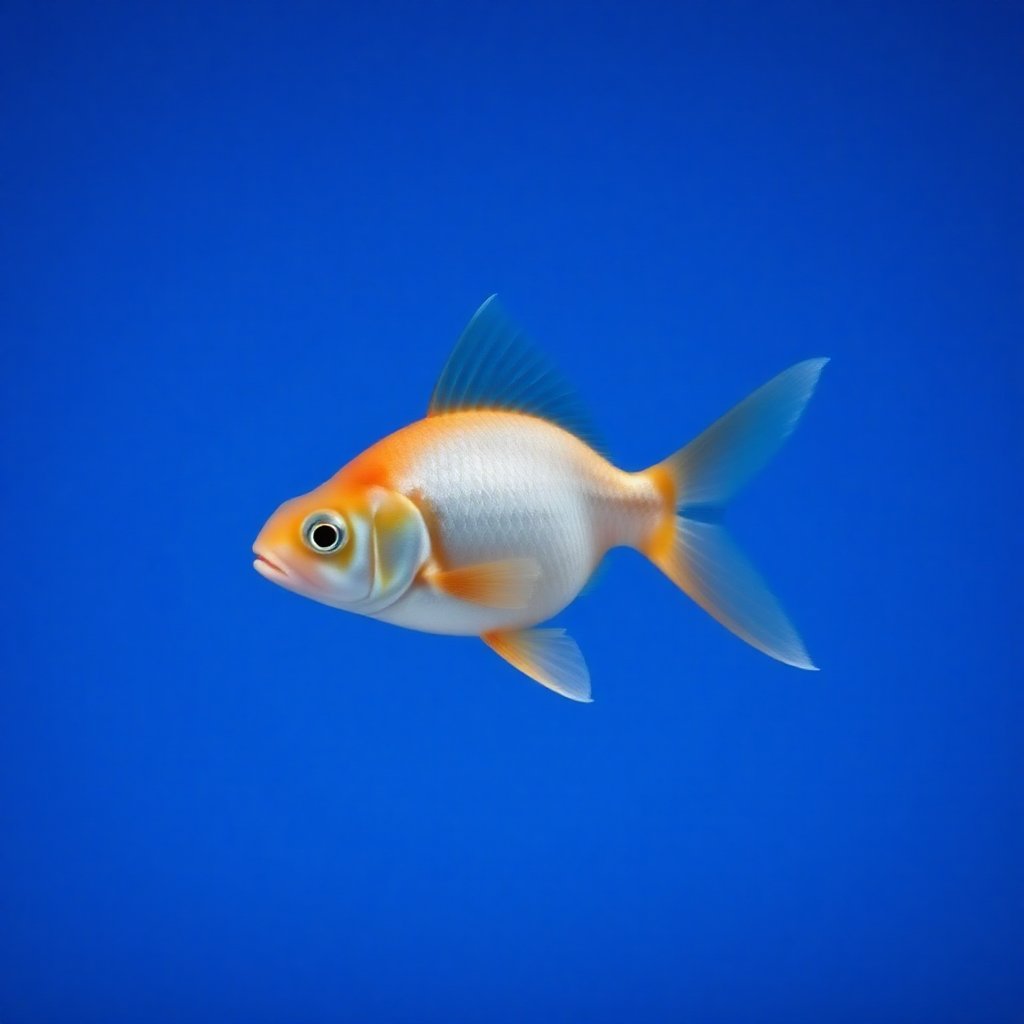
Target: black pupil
{"type": "Point", "coordinates": [325, 535]}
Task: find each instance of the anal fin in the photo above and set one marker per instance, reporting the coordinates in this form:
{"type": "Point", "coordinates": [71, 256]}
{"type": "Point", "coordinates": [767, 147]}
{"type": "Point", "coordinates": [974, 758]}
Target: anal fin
{"type": "Point", "coordinates": [507, 583]}
{"type": "Point", "coordinates": [549, 656]}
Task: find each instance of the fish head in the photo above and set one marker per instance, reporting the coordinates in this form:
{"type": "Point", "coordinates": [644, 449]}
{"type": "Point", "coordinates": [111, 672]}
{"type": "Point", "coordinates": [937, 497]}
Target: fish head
{"type": "Point", "coordinates": [354, 548]}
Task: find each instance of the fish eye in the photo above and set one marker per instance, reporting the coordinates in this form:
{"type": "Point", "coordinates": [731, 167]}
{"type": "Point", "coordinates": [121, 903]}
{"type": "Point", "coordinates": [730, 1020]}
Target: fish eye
{"type": "Point", "coordinates": [324, 532]}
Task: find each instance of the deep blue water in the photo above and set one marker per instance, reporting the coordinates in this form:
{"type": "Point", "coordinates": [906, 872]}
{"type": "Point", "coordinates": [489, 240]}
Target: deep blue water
{"type": "Point", "coordinates": [238, 242]}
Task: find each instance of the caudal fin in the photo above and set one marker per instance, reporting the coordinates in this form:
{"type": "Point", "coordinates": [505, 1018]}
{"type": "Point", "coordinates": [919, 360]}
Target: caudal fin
{"type": "Point", "coordinates": [693, 548]}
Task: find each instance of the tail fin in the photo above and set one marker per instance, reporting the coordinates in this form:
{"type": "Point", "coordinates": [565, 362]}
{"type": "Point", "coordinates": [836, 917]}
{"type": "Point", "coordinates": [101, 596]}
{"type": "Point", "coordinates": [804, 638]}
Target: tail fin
{"type": "Point", "coordinates": [692, 547]}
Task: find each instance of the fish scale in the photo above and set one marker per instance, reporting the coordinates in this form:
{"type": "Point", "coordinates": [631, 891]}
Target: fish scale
{"type": "Point", "coordinates": [505, 485]}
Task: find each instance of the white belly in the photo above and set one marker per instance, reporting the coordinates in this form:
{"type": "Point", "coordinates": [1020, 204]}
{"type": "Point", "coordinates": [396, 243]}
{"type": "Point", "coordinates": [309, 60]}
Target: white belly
{"type": "Point", "coordinates": [501, 486]}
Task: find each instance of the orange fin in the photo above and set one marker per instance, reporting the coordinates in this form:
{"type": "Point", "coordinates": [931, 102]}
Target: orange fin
{"type": "Point", "coordinates": [549, 656]}
{"type": "Point", "coordinates": [507, 583]}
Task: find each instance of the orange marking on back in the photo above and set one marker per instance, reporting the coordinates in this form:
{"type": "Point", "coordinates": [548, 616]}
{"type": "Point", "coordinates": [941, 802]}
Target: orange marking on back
{"type": "Point", "coordinates": [383, 463]}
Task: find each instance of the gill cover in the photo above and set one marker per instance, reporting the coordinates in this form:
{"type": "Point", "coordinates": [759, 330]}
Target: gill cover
{"type": "Point", "coordinates": [399, 545]}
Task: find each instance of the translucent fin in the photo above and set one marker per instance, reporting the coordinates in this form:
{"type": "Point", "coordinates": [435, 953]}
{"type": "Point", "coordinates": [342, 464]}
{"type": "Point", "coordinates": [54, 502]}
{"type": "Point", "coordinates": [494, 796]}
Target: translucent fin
{"type": "Point", "coordinates": [494, 366]}
{"type": "Point", "coordinates": [714, 466]}
{"type": "Point", "coordinates": [691, 546]}
{"type": "Point", "coordinates": [501, 584]}
{"type": "Point", "coordinates": [707, 565]}
{"type": "Point", "coordinates": [549, 656]}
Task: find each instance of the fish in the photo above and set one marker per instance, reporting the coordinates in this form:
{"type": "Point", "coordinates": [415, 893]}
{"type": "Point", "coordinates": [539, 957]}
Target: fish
{"type": "Point", "coordinates": [488, 516]}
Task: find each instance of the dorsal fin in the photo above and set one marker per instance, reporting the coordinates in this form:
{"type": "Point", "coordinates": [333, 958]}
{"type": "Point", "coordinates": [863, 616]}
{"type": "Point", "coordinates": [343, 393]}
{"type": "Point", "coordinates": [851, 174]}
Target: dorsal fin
{"type": "Point", "coordinates": [494, 366]}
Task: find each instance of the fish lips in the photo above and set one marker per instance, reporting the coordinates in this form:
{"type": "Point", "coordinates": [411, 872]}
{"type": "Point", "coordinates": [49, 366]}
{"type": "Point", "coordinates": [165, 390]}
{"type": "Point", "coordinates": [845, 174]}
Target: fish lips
{"type": "Point", "coordinates": [268, 568]}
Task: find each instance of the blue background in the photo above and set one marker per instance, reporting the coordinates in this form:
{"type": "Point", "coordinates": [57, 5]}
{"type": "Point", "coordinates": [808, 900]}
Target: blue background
{"type": "Point", "coordinates": [238, 244]}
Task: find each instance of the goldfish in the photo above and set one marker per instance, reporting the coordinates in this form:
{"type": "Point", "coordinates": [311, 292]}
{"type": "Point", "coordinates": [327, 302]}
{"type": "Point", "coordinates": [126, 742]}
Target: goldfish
{"type": "Point", "coordinates": [488, 516]}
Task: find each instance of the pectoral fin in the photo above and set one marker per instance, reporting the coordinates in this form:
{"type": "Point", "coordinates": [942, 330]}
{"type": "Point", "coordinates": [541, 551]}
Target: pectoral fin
{"type": "Point", "coordinates": [549, 656]}
{"type": "Point", "coordinates": [507, 583]}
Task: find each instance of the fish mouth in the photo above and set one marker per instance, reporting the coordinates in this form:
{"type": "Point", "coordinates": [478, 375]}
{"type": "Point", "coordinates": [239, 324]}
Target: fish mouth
{"type": "Point", "coordinates": [267, 567]}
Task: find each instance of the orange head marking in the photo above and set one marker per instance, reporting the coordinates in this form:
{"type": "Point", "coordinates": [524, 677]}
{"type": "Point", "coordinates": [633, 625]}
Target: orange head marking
{"type": "Point", "coordinates": [353, 547]}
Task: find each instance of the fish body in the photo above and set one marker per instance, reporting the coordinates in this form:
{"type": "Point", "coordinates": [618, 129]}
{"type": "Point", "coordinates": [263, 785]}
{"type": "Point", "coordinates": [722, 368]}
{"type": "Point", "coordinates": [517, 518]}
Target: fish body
{"type": "Point", "coordinates": [487, 517]}
{"type": "Point", "coordinates": [505, 486]}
